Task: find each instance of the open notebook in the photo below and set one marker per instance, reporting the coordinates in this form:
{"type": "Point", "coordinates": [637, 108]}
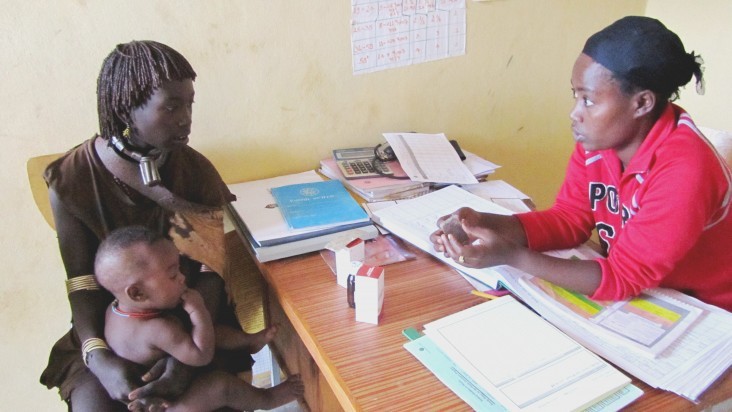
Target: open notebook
{"type": "Point", "coordinates": [415, 219]}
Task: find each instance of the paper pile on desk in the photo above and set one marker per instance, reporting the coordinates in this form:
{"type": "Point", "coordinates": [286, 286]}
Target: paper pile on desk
{"type": "Point", "coordinates": [257, 217]}
{"type": "Point", "coordinates": [687, 367]}
{"type": "Point", "coordinates": [525, 363]}
{"type": "Point", "coordinates": [373, 189]}
{"type": "Point", "coordinates": [429, 158]}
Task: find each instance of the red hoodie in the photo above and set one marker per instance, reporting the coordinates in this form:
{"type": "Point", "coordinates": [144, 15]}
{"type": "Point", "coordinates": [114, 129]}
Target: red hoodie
{"type": "Point", "coordinates": [664, 221]}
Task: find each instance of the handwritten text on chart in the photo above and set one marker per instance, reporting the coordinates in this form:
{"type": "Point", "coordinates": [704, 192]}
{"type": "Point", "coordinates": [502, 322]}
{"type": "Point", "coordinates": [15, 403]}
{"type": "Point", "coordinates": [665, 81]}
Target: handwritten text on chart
{"type": "Point", "coordinates": [393, 33]}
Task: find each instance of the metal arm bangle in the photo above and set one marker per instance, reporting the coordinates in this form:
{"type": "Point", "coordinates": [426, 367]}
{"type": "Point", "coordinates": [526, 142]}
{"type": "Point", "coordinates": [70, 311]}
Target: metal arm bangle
{"type": "Point", "coordinates": [84, 282]}
{"type": "Point", "coordinates": [90, 345]}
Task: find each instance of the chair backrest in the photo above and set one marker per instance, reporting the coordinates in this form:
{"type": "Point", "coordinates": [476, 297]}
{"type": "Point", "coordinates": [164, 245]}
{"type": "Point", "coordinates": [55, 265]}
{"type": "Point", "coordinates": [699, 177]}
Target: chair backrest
{"type": "Point", "coordinates": [722, 141]}
{"type": "Point", "coordinates": [35, 167]}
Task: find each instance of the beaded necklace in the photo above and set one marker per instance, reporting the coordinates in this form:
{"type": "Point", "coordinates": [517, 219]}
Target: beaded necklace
{"type": "Point", "coordinates": [135, 315]}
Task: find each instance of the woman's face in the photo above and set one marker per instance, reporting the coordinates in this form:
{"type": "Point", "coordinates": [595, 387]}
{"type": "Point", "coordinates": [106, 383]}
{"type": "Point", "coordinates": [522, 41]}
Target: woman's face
{"type": "Point", "coordinates": [603, 117]}
{"type": "Point", "coordinates": [164, 121]}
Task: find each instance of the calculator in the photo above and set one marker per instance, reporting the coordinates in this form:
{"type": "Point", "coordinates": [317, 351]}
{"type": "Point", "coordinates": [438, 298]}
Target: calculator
{"type": "Point", "coordinates": [360, 162]}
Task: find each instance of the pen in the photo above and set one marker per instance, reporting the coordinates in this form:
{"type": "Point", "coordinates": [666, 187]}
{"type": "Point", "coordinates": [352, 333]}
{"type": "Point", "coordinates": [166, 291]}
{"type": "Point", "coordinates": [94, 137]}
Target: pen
{"type": "Point", "coordinates": [487, 295]}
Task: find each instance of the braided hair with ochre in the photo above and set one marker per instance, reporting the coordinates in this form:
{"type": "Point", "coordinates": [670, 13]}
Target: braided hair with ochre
{"type": "Point", "coordinates": [129, 76]}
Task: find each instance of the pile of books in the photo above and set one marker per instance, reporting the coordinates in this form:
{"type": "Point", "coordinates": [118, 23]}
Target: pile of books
{"type": "Point", "coordinates": [374, 189]}
{"type": "Point", "coordinates": [299, 221]}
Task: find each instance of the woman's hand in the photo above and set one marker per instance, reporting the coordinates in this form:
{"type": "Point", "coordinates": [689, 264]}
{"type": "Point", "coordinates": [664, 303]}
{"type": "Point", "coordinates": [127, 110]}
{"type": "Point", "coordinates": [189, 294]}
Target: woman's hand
{"type": "Point", "coordinates": [166, 380]}
{"type": "Point", "coordinates": [491, 247]}
{"type": "Point", "coordinates": [483, 226]}
{"type": "Point", "coordinates": [118, 376]}
{"type": "Point", "coordinates": [486, 247]}
{"type": "Point", "coordinates": [463, 214]}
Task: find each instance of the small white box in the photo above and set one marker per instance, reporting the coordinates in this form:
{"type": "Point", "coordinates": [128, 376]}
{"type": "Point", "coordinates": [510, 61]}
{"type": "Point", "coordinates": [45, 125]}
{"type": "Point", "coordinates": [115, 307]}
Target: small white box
{"type": "Point", "coordinates": [369, 293]}
{"type": "Point", "coordinates": [345, 257]}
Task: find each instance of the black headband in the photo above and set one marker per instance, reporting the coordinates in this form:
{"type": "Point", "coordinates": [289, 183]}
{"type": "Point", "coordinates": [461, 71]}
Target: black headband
{"type": "Point", "coordinates": [642, 51]}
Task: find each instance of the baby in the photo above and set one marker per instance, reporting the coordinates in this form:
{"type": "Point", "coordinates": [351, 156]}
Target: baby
{"type": "Point", "coordinates": [140, 268]}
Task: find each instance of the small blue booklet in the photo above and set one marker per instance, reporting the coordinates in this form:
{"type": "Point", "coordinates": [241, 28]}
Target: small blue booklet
{"type": "Point", "coordinates": [318, 204]}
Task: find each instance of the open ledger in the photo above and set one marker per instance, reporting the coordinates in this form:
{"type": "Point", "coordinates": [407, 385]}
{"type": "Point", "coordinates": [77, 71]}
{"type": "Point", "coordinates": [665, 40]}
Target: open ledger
{"type": "Point", "coordinates": [415, 219]}
{"type": "Point", "coordinates": [523, 361]}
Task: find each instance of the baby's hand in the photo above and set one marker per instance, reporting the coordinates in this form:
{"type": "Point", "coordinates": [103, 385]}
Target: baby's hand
{"type": "Point", "coordinates": [192, 301]}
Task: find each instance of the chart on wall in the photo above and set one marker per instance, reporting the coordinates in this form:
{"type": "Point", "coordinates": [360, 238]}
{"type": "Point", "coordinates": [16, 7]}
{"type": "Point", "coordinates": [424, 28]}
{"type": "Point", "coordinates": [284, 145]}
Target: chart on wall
{"type": "Point", "coordinates": [393, 33]}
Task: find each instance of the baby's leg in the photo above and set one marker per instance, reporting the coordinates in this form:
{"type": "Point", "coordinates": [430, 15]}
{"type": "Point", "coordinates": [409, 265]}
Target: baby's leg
{"type": "Point", "coordinates": [247, 397]}
{"type": "Point", "coordinates": [219, 389]}
{"type": "Point", "coordinates": [206, 393]}
{"type": "Point", "coordinates": [228, 337]}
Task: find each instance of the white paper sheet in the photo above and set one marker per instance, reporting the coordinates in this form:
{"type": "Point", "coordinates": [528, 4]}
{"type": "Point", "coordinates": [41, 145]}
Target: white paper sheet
{"type": "Point", "coordinates": [495, 189]}
{"type": "Point", "coordinates": [429, 158]}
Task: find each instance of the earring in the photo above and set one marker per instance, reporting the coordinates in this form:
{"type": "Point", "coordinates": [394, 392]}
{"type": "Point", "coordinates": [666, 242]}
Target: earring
{"type": "Point", "coordinates": [126, 132]}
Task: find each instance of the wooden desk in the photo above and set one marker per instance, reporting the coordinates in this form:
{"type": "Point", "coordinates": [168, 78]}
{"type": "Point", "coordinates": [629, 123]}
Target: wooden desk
{"type": "Point", "coordinates": [357, 366]}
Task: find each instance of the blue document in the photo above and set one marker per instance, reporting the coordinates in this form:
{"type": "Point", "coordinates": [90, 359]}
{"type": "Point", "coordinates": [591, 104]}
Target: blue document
{"type": "Point", "coordinates": [318, 204]}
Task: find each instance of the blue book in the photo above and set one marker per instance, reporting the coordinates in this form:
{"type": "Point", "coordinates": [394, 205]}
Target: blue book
{"type": "Point", "coordinates": [323, 203]}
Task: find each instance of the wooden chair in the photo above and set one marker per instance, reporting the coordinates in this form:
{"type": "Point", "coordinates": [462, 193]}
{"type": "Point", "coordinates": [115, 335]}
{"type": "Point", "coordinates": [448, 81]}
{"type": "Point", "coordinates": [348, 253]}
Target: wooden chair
{"type": "Point", "coordinates": [35, 167]}
{"type": "Point", "coordinates": [721, 140]}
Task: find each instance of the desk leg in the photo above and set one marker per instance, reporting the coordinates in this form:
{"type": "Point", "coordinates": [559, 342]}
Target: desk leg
{"type": "Point", "coordinates": [293, 357]}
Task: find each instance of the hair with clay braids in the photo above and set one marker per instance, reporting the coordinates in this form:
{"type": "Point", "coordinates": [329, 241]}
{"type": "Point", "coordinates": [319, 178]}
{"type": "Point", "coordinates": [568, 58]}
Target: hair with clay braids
{"type": "Point", "coordinates": [129, 76]}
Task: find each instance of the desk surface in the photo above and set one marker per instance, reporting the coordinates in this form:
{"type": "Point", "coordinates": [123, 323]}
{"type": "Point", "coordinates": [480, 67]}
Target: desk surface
{"type": "Point", "coordinates": [366, 366]}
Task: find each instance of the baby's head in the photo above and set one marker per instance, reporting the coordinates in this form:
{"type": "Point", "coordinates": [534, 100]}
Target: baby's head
{"type": "Point", "coordinates": [140, 268]}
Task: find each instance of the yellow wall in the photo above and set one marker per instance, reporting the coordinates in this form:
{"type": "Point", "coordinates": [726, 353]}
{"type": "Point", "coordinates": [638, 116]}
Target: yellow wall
{"type": "Point", "coordinates": [705, 28]}
{"type": "Point", "coordinates": [275, 94]}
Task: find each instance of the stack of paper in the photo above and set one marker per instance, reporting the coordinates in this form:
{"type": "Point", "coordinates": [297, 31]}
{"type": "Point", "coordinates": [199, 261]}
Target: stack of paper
{"type": "Point", "coordinates": [449, 373]}
{"type": "Point", "coordinates": [687, 364]}
{"type": "Point", "coordinates": [500, 192]}
{"type": "Point", "coordinates": [431, 164]}
{"type": "Point", "coordinates": [479, 167]}
{"type": "Point", "coordinates": [258, 216]}
{"type": "Point", "coordinates": [374, 189]}
{"type": "Point", "coordinates": [525, 363]}
{"type": "Point", "coordinates": [430, 158]}
{"type": "Point", "coordinates": [646, 324]}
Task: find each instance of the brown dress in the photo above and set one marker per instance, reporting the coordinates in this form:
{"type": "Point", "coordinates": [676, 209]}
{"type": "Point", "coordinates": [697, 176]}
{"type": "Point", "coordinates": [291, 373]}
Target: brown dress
{"type": "Point", "coordinates": [93, 195]}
